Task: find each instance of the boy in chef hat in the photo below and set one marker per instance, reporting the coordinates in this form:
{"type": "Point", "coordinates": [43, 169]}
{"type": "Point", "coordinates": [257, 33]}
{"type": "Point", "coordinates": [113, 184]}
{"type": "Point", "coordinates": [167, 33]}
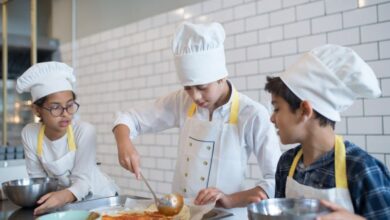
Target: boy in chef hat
{"type": "Point", "coordinates": [57, 146]}
{"type": "Point", "coordinates": [307, 100]}
{"type": "Point", "coordinates": [219, 127]}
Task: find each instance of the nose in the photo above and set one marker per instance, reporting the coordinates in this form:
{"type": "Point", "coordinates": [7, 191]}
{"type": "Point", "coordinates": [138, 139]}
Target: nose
{"type": "Point", "coordinates": [272, 118]}
{"type": "Point", "coordinates": [194, 94]}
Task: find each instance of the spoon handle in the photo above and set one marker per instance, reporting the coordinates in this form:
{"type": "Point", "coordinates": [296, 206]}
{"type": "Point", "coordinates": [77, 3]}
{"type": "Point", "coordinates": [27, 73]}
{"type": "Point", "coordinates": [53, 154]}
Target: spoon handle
{"type": "Point", "coordinates": [150, 189]}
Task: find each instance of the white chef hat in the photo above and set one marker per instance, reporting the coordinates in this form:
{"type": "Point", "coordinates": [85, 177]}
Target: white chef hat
{"type": "Point", "coordinates": [45, 78]}
{"type": "Point", "coordinates": [331, 77]}
{"type": "Point", "coordinates": [199, 53]}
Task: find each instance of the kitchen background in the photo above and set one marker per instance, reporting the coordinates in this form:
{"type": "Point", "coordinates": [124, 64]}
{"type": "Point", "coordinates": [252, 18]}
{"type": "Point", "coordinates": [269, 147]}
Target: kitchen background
{"type": "Point", "coordinates": [122, 66]}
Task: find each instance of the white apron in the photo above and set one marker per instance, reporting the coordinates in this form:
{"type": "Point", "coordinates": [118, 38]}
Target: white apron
{"type": "Point", "coordinates": [62, 167]}
{"type": "Point", "coordinates": [210, 156]}
{"type": "Point", "coordinates": [101, 185]}
{"type": "Point", "coordinates": [339, 195]}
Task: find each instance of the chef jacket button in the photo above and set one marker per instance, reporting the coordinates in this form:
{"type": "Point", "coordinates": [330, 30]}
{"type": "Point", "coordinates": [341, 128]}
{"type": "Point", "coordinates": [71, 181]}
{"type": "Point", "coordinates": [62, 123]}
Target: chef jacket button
{"type": "Point", "coordinates": [188, 159]}
{"type": "Point", "coordinates": [205, 163]}
{"type": "Point", "coordinates": [186, 174]}
{"type": "Point", "coordinates": [208, 147]}
{"type": "Point", "coordinates": [202, 178]}
{"type": "Point", "coordinates": [185, 190]}
{"type": "Point", "coordinates": [190, 144]}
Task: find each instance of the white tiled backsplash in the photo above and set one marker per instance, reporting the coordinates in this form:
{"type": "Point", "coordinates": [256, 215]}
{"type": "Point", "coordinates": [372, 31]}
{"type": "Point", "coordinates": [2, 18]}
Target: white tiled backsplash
{"type": "Point", "coordinates": [128, 65]}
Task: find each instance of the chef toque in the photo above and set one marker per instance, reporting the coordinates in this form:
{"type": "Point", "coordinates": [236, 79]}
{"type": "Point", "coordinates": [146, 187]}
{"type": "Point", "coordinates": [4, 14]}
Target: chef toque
{"type": "Point", "coordinates": [43, 79]}
{"type": "Point", "coordinates": [199, 53]}
{"type": "Point", "coordinates": [331, 77]}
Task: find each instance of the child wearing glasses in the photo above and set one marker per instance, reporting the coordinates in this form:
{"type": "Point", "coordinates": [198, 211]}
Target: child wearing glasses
{"type": "Point", "coordinates": [58, 146]}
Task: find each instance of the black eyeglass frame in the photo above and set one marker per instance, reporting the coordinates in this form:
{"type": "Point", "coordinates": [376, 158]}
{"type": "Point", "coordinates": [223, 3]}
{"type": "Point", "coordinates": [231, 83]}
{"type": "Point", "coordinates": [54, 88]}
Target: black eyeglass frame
{"type": "Point", "coordinates": [63, 109]}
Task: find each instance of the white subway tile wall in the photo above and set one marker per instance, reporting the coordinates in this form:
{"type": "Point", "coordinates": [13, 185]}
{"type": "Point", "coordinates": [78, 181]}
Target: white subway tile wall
{"type": "Point", "coordinates": [129, 65]}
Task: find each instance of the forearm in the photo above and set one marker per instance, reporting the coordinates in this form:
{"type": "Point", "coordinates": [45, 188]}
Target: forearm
{"type": "Point", "coordinates": [122, 134]}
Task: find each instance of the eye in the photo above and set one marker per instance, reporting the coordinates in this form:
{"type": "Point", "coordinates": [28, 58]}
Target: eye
{"type": "Point", "coordinates": [55, 106]}
{"type": "Point", "coordinates": [202, 87]}
{"type": "Point", "coordinates": [70, 104]}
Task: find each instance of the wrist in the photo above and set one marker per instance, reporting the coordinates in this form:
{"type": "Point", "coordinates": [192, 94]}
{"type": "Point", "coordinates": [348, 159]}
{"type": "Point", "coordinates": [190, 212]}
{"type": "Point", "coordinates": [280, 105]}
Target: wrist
{"type": "Point", "coordinates": [69, 196]}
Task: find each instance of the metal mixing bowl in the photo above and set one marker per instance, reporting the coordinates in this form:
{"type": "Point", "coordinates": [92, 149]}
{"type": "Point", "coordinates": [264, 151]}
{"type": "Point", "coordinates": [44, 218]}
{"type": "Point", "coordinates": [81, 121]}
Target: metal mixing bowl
{"type": "Point", "coordinates": [26, 192]}
{"type": "Point", "coordinates": [282, 208]}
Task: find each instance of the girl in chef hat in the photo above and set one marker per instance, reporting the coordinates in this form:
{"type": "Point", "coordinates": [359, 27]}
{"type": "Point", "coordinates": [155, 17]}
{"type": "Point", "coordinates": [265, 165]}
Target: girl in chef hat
{"type": "Point", "coordinates": [307, 100]}
{"type": "Point", "coordinates": [219, 127]}
{"type": "Point", "coordinates": [57, 146]}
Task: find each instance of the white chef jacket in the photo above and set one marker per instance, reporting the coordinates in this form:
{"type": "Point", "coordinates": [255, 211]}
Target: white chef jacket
{"type": "Point", "coordinates": [86, 177]}
{"type": "Point", "coordinates": [256, 132]}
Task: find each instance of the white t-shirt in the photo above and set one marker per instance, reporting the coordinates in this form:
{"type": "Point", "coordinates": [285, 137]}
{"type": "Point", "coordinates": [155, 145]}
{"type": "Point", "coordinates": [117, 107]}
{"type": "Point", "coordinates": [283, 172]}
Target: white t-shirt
{"type": "Point", "coordinates": [85, 176]}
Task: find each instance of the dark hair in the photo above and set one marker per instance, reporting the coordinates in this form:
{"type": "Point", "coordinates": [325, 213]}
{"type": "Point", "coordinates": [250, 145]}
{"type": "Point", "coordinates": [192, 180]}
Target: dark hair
{"type": "Point", "coordinates": [42, 100]}
{"type": "Point", "coordinates": [276, 86]}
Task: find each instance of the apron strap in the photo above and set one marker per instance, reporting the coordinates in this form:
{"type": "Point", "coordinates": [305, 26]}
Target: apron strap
{"type": "Point", "coordinates": [70, 137]}
{"type": "Point", "coordinates": [340, 163]}
{"type": "Point", "coordinates": [339, 160]}
{"type": "Point", "coordinates": [234, 109]}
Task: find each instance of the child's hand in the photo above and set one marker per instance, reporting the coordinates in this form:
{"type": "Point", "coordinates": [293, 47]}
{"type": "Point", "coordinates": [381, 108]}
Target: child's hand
{"type": "Point", "coordinates": [208, 195]}
{"type": "Point", "coordinates": [338, 212]}
{"type": "Point", "coordinates": [53, 200]}
{"type": "Point", "coordinates": [129, 159]}
{"type": "Point", "coordinates": [238, 199]}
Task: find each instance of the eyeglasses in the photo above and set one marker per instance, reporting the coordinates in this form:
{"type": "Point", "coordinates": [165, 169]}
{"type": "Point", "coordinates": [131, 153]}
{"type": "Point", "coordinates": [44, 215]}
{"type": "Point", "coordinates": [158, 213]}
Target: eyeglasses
{"type": "Point", "coordinates": [58, 110]}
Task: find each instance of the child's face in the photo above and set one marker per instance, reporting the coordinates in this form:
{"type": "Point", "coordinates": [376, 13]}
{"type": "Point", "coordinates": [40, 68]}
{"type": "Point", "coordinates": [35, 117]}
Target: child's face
{"type": "Point", "coordinates": [205, 96]}
{"type": "Point", "coordinates": [285, 120]}
{"type": "Point", "coordinates": [53, 112]}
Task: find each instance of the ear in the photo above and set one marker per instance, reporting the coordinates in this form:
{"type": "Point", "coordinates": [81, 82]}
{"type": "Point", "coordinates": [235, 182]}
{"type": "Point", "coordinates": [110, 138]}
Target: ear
{"type": "Point", "coordinates": [307, 110]}
{"type": "Point", "coordinates": [35, 109]}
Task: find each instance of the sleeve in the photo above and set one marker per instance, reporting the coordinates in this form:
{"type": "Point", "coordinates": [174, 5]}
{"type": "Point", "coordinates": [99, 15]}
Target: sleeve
{"type": "Point", "coordinates": [33, 164]}
{"type": "Point", "coordinates": [370, 188]}
{"type": "Point", "coordinates": [261, 137]}
{"type": "Point", "coordinates": [85, 161]}
{"type": "Point", "coordinates": [154, 116]}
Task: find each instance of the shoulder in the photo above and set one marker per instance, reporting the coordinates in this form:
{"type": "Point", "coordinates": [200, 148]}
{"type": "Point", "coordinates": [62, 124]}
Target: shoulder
{"type": "Point", "coordinates": [176, 98]}
{"type": "Point", "coordinates": [361, 164]}
{"type": "Point", "coordinates": [81, 128]}
{"type": "Point", "coordinates": [31, 129]}
{"type": "Point", "coordinates": [30, 135]}
{"type": "Point", "coordinates": [252, 108]}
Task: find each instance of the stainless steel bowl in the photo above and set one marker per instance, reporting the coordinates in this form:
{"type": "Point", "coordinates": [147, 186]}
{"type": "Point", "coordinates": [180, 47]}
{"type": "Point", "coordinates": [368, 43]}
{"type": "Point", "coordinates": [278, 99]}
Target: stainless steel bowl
{"type": "Point", "coordinates": [282, 208]}
{"type": "Point", "coordinates": [26, 192]}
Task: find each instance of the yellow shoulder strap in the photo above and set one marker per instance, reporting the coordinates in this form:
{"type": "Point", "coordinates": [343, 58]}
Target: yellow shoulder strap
{"type": "Point", "coordinates": [340, 163]}
{"type": "Point", "coordinates": [40, 140]}
{"type": "Point", "coordinates": [71, 141]}
{"type": "Point", "coordinates": [294, 163]}
{"type": "Point", "coordinates": [191, 110]}
{"type": "Point", "coordinates": [234, 108]}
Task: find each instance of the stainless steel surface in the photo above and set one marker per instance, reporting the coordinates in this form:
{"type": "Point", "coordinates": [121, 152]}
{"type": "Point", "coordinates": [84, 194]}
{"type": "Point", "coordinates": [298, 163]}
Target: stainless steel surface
{"type": "Point", "coordinates": [26, 192]}
{"type": "Point", "coordinates": [120, 201]}
{"type": "Point", "coordinates": [280, 209]}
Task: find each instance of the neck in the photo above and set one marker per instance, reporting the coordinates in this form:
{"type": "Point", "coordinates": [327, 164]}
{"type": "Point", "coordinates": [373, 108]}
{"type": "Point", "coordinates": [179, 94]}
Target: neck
{"type": "Point", "coordinates": [318, 142]}
{"type": "Point", "coordinates": [53, 134]}
{"type": "Point", "coordinates": [226, 91]}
